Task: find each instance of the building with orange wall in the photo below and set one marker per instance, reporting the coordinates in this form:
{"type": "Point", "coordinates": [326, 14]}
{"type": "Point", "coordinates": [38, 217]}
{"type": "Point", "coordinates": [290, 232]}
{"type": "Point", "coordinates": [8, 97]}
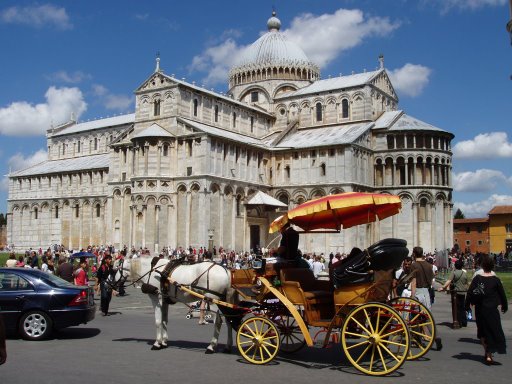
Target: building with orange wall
{"type": "Point", "coordinates": [500, 229]}
{"type": "Point", "coordinates": [472, 234]}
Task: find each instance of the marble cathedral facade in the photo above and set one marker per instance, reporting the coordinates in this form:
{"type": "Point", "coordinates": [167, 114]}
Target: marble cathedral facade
{"type": "Point", "coordinates": [183, 168]}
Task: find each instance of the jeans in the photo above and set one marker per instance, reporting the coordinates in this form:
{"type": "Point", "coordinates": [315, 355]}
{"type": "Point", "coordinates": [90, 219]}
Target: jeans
{"type": "Point", "coordinates": [106, 296]}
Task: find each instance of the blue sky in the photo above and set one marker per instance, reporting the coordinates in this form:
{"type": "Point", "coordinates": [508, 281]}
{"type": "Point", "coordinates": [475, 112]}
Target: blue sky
{"type": "Point", "coordinates": [450, 62]}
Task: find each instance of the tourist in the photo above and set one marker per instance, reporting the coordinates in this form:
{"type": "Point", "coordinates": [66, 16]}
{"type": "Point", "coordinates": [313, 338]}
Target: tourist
{"type": "Point", "coordinates": [458, 282]}
{"type": "Point", "coordinates": [11, 261]}
{"type": "Point", "coordinates": [317, 266]}
{"type": "Point", "coordinates": [65, 269]}
{"type": "Point", "coordinates": [486, 293]}
{"type": "Point", "coordinates": [104, 274]}
{"type": "Point", "coordinates": [80, 275]}
{"type": "Point", "coordinates": [421, 281]}
{"type": "Point", "coordinates": [400, 282]}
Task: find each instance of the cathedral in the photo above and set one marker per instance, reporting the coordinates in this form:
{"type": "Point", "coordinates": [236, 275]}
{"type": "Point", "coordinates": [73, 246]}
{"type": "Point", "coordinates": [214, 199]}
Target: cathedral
{"type": "Point", "coordinates": [193, 167]}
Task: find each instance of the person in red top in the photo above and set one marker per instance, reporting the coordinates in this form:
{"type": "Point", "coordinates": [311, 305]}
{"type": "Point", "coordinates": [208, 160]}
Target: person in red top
{"type": "Point", "coordinates": [81, 273]}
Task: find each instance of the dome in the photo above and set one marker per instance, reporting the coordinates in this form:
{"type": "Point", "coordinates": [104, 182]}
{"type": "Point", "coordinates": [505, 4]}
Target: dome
{"type": "Point", "coordinates": [275, 55]}
{"type": "Point", "coordinates": [273, 48]}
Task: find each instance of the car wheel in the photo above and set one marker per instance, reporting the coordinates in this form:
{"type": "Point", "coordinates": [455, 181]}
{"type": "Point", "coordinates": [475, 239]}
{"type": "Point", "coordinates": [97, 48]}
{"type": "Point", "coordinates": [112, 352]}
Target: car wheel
{"type": "Point", "coordinates": [35, 325]}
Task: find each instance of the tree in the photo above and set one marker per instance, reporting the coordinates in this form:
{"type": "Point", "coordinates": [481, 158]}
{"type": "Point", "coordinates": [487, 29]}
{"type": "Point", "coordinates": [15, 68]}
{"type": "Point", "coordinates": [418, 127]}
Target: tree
{"type": "Point", "coordinates": [459, 214]}
{"type": "Point", "coordinates": [3, 219]}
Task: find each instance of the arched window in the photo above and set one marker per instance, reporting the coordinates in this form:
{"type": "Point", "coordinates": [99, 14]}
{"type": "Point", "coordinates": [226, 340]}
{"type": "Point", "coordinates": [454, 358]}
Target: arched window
{"type": "Point", "coordinates": [252, 124]}
{"type": "Point", "coordinates": [344, 108]}
{"type": "Point", "coordinates": [98, 210]}
{"type": "Point", "coordinates": [165, 150]}
{"type": "Point", "coordinates": [77, 211]}
{"type": "Point", "coordinates": [287, 172]}
{"type": "Point", "coordinates": [195, 107]}
{"type": "Point", "coordinates": [234, 119]}
{"type": "Point", "coordinates": [423, 210]}
{"type": "Point", "coordinates": [78, 146]}
{"type": "Point", "coordinates": [322, 169]}
{"type": "Point", "coordinates": [156, 108]}
{"type": "Point", "coordinates": [56, 212]}
{"type": "Point", "coordinates": [318, 112]}
{"type": "Point", "coordinates": [216, 113]}
{"type": "Point", "coordinates": [238, 204]}
{"type": "Point", "coordinates": [35, 213]}
{"type": "Point", "coordinates": [95, 143]}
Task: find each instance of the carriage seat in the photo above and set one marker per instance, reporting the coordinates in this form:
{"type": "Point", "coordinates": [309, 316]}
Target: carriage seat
{"type": "Point", "coordinates": [314, 291]}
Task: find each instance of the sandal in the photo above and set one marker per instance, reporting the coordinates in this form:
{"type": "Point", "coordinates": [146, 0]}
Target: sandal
{"type": "Point", "coordinates": [488, 359]}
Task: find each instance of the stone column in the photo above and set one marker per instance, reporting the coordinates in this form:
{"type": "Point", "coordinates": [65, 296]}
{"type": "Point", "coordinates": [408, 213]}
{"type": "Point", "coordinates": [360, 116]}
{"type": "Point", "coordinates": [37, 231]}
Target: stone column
{"type": "Point", "coordinates": [233, 223]}
{"type": "Point", "coordinates": [187, 222]}
{"type": "Point", "coordinates": [159, 160]}
{"type": "Point", "coordinates": [146, 157]}
{"type": "Point", "coordinates": [415, 224]}
{"type": "Point", "coordinates": [157, 228]}
{"type": "Point", "coordinates": [93, 217]}
{"type": "Point", "coordinates": [221, 218]}
{"type": "Point", "coordinates": [130, 235]}
{"type": "Point", "coordinates": [144, 223]}
{"type": "Point", "coordinates": [433, 225]}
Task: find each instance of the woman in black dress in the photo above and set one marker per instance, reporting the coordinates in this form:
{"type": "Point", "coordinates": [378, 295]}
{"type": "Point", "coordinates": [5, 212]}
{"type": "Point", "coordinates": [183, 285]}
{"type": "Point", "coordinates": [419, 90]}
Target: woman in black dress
{"type": "Point", "coordinates": [486, 293]}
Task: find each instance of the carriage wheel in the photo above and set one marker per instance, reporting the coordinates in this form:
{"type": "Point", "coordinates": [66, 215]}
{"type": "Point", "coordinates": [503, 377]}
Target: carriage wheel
{"type": "Point", "coordinates": [258, 340]}
{"type": "Point", "coordinates": [420, 322]}
{"type": "Point", "coordinates": [375, 339]}
{"type": "Point", "coordinates": [292, 339]}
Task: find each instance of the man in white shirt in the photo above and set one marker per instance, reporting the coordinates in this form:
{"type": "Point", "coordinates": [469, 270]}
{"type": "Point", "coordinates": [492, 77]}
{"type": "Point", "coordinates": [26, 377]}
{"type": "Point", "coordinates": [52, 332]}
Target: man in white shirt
{"type": "Point", "coordinates": [317, 266]}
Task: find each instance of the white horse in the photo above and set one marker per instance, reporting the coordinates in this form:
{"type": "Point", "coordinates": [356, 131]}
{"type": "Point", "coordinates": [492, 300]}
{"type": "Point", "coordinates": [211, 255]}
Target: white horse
{"type": "Point", "coordinates": [207, 277]}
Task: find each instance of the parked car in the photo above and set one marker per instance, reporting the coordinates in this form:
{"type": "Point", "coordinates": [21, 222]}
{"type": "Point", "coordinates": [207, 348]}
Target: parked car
{"type": "Point", "coordinates": [34, 303]}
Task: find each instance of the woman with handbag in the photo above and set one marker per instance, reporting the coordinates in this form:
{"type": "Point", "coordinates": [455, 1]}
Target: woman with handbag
{"type": "Point", "coordinates": [458, 282]}
{"type": "Point", "coordinates": [486, 293]}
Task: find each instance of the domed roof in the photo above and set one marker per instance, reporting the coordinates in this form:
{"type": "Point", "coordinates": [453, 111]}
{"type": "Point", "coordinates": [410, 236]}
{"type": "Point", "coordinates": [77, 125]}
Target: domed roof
{"type": "Point", "coordinates": [273, 48]}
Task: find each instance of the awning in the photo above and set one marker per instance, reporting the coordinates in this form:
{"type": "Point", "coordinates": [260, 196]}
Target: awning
{"type": "Point", "coordinates": [261, 198]}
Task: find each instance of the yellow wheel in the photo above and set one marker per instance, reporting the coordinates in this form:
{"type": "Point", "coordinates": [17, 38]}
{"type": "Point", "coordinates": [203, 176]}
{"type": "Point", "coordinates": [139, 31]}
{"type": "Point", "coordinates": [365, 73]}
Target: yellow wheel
{"type": "Point", "coordinates": [420, 322]}
{"type": "Point", "coordinates": [375, 339]}
{"type": "Point", "coordinates": [258, 340]}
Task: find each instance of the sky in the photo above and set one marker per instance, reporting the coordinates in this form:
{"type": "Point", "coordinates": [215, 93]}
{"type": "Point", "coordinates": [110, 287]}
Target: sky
{"type": "Point", "coordinates": [450, 62]}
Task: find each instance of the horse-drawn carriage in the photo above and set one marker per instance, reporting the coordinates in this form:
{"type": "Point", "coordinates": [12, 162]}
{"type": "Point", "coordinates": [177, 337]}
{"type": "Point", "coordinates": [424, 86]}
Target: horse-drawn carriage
{"type": "Point", "coordinates": [282, 304]}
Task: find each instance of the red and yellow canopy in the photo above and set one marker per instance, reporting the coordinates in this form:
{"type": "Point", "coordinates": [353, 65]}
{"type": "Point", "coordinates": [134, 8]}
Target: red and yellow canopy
{"type": "Point", "coordinates": [338, 211]}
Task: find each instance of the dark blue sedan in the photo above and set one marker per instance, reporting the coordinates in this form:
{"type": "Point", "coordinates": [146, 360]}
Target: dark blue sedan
{"type": "Point", "coordinates": [34, 303]}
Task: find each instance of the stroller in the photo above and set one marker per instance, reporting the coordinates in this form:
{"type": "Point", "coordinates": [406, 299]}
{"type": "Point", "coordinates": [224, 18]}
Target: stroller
{"type": "Point", "coordinates": [195, 308]}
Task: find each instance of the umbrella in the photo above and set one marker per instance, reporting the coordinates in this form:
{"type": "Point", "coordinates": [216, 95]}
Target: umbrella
{"type": "Point", "coordinates": [82, 254]}
{"type": "Point", "coordinates": [341, 210]}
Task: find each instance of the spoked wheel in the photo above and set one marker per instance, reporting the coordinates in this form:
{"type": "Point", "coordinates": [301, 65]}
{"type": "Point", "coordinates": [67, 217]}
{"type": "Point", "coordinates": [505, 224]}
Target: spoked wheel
{"type": "Point", "coordinates": [258, 340]}
{"type": "Point", "coordinates": [291, 337]}
{"type": "Point", "coordinates": [420, 322]}
{"type": "Point", "coordinates": [375, 339]}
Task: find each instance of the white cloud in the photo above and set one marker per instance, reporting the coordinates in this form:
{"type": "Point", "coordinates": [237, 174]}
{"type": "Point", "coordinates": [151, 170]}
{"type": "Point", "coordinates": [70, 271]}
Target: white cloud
{"type": "Point", "coordinates": [67, 77]}
{"type": "Point", "coordinates": [112, 101]}
{"type": "Point", "coordinates": [19, 161]}
{"type": "Point", "coordinates": [490, 145]}
{"type": "Point", "coordinates": [323, 38]}
{"type": "Point", "coordinates": [447, 5]}
{"type": "Point", "coordinates": [482, 180]}
{"type": "Point", "coordinates": [411, 79]}
{"type": "Point", "coordinates": [37, 16]}
{"type": "Point", "coordinates": [481, 208]}
{"type": "Point", "coordinates": [25, 119]}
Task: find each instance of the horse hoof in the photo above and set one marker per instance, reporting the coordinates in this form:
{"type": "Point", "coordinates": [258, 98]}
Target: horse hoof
{"type": "Point", "coordinates": [156, 347]}
{"type": "Point", "coordinates": [209, 351]}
